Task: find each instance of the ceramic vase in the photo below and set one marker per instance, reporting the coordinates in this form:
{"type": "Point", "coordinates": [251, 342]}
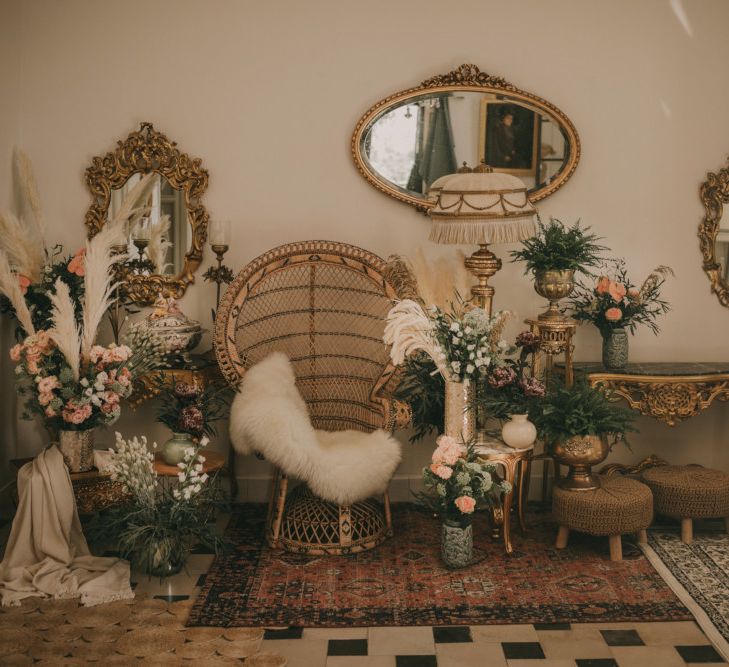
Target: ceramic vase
{"type": "Point", "coordinates": [460, 415]}
{"type": "Point", "coordinates": [615, 349]}
{"type": "Point", "coordinates": [77, 448]}
{"type": "Point", "coordinates": [456, 547]}
{"type": "Point", "coordinates": [519, 432]}
{"type": "Point", "coordinates": [173, 451]}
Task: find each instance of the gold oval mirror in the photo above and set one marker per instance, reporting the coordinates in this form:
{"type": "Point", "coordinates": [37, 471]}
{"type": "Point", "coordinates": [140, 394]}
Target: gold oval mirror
{"type": "Point", "coordinates": [405, 142]}
{"type": "Point", "coordinates": [714, 232]}
{"type": "Point", "coordinates": [167, 227]}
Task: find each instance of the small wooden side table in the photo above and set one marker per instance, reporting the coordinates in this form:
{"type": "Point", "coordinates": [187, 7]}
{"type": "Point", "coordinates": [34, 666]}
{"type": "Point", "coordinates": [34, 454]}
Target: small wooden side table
{"type": "Point", "coordinates": [517, 466]}
{"type": "Point", "coordinates": [213, 463]}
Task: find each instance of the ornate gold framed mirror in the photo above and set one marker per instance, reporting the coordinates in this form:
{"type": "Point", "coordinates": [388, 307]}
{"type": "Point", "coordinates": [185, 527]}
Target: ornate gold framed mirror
{"type": "Point", "coordinates": [714, 232]}
{"type": "Point", "coordinates": [167, 231]}
{"type": "Point", "coordinates": [406, 141]}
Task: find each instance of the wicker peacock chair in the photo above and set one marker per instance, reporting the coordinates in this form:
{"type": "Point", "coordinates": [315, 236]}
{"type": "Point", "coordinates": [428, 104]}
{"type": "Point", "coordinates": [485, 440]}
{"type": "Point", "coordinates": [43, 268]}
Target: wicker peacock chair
{"type": "Point", "coordinates": [323, 304]}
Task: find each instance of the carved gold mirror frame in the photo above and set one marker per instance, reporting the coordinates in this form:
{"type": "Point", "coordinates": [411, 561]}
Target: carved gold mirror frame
{"type": "Point", "coordinates": [714, 194]}
{"type": "Point", "coordinates": [142, 152]}
{"type": "Point", "coordinates": [464, 78]}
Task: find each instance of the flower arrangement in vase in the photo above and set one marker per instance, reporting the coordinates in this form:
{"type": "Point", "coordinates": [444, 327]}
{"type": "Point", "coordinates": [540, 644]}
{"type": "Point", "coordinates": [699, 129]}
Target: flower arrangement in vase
{"type": "Point", "coordinates": [580, 425]}
{"type": "Point", "coordinates": [160, 523]}
{"type": "Point", "coordinates": [553, 256]}
{"type": "Point", "coordinates": [614, 303]}
{"type": "Point", "coordinates": [463, 344]}
{"type": "Point", "coordinates": [457, 483]}
{"type": "Point", "coordinates": [512, 392]}
{"type": "Point", "coordinates": [190, 411]}
{"type": "Point", "coordinates": [71, 382]}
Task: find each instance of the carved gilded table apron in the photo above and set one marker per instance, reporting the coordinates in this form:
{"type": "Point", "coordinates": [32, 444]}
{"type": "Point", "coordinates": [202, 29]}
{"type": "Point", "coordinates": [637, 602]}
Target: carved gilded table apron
{"type": "Point", "coordinates": [516, 464]}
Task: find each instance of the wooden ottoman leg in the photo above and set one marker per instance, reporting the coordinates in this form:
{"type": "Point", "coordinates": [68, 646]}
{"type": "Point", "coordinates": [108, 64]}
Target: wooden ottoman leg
{"type": "Point", "coordinates": [616, 547]}
{"type": "Point", "coordinates": [687, 531]}
{"type": "Point", "coordinates": [562, 536]}
{"type": "Point", "coordinates": [642, 537]}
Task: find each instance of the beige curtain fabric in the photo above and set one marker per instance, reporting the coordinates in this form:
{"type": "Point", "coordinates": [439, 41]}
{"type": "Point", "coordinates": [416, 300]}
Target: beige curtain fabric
{"type": "Point", "coordinates": [47, 554]}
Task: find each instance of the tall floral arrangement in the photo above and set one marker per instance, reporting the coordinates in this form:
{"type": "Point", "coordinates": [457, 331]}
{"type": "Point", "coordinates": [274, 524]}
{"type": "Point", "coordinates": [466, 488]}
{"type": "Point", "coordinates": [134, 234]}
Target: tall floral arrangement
{"type": "Point", "coordinates": [74, 383]}
{"type": "Point", "coordinates": [614, 301]}
{"type": "Point", "coordinates": [458, 483]}
{"type": "Point", "coordinates": [463, 343]}
{"type": "Point", "coordinates": [160, 522]}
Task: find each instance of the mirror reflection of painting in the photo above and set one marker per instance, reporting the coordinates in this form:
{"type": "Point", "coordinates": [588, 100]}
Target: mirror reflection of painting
{"type": "Point", "coordinates": [509, 134]}
{"type": "Point", "coordinates": [157, 232]}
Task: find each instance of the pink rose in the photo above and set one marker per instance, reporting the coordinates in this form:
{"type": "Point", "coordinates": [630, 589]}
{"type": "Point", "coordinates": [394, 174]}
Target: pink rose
{"type": "Point", "coordinates": [444, 472]}
{"type": "Point", "coordinates": [78, 263]}
{"type": "Point", "coordinates": [120, 353]}
{"type": "Point", "coordinates": [44, 398]}
{"type": "Point", "coordinates": [15, 351]}
{"type": "Point", "coordinates": [23, 282]}
{"type": "Point", "coordinates": [96, 353]}
{"type": "Point", "coordinates": [613, 314]}
{"type": "Point", "coordinates": [466, 504]}
{"type": "Point", "coordinates": [111, 397]}
{"type": "Point", "coordinates": [603, 285]}
{"type": "Point", "coordinates": [108, 408]}
{"type": "Point", "coordinates": [633, 293]}
{"type": "Point", "coordinates": [124, 377]}
{"type": "Point", "coordinates": [617, 291]}
{"type": "Point", "coordinates": [48, 384]}
{"type": "Point", "coordinates": [43, 341]}
{"type": "Point", "coordinates": [50, 412]}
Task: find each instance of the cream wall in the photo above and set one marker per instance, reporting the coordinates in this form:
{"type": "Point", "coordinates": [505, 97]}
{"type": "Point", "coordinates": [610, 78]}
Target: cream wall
{"type": "Point", "coordinates": [269, 93]}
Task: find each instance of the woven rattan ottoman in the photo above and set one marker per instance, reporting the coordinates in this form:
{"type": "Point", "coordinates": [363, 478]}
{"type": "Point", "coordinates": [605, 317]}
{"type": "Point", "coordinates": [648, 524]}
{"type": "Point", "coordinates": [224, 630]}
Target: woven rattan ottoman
{"type": "Point", "coordinates": [688, 493]}
{"type": "Point", "coordinates": [619, 507]}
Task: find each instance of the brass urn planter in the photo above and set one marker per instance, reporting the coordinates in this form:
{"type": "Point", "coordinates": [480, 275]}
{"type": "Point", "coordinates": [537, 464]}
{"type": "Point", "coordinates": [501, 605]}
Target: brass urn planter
{"type": "Point", "coordinates": [580, 453]}
{"type": "Point", "coordinates": [553, 286]}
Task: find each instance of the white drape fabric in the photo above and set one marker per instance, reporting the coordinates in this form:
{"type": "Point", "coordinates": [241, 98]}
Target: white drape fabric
{"type": "Point", "coordinates": [47, 554]}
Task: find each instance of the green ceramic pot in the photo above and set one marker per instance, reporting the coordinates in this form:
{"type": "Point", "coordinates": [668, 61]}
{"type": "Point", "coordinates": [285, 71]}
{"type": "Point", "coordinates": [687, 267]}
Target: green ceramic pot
{"type": "Point", "coordinates": [173, 451]}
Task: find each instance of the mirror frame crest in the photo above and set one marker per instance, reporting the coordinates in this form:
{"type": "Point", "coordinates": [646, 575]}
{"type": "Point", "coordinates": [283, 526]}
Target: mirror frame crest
{"type": "Point", "coordinates": [142, 152]}
{"type": "Point", "coordinates": [471, 78]}
{"type": "Point", "coordinates": [714, 193]}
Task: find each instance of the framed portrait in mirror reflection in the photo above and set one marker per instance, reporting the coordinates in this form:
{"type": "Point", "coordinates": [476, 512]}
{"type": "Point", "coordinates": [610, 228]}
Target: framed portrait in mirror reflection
{"type": "Point", "coordinates": [508, 137]}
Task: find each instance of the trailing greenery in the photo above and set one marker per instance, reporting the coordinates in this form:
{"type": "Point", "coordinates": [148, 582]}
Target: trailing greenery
{"type": "Point", "coordinates": [581, 410]}
{"type": "Point", "coordinates": [423, 388]}
{"type": "Point", "coordinates": [557, 247]}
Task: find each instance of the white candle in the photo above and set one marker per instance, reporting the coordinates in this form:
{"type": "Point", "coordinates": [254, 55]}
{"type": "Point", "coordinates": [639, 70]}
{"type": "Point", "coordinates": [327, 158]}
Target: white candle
{"type": "Point", "coordinates": [220, 232]}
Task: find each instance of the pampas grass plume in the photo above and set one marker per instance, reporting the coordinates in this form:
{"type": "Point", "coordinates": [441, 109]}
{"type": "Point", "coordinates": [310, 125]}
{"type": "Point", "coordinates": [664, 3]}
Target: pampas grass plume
{"type": "Point", "coordinates": [65, 332]}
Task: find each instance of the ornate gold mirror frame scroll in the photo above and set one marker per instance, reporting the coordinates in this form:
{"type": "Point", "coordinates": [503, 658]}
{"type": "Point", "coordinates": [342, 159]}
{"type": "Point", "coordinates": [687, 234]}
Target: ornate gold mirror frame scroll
{"type": "Point", "coordinates": [464, 78]}
{"type": "Point", "coordinates": [142, 152]}
{"type": "Point", "coordinates": [714, 194]}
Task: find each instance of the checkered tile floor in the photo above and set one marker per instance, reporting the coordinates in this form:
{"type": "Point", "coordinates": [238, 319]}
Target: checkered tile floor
{"type": "Point", "coordinates": [540, 645]}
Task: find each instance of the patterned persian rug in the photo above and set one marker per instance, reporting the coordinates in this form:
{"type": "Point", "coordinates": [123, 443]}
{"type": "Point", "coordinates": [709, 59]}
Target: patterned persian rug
{"type": "Point", "coordinates": [699, 574]}
{"type": "Point", "coordinates": [402, 582]}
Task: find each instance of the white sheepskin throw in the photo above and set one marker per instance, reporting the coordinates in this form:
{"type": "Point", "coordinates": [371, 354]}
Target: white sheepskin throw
{"type": "Point", "coordinates": [269, 416]}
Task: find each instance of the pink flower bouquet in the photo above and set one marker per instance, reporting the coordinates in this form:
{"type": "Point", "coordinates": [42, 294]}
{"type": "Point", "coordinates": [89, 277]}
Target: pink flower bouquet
{"type": "Point", "coordinates": [614, 302]}
{"type": "Point", "coordinates": [458, 483]}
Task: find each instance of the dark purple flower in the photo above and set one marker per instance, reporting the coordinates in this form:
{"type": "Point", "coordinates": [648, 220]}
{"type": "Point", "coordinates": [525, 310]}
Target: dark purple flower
{"type": "Point", "coordinates": [186, 390]}
{"type": "Point", "coordinates": [501, 377]}
{"type": "Point", "coordinates": [528, 340]}
{"type": "Point", "coordinates": [532, 387]}
{"type": "Point", "coordinates": [191, 420]}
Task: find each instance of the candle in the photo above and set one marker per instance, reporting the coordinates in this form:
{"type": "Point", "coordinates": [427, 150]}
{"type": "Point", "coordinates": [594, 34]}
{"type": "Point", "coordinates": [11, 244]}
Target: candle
{"type": "Point", "coordinates": [220, 232]}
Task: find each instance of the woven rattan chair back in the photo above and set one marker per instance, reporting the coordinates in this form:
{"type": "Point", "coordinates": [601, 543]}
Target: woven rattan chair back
{"type": "Point", "coordinates": [324, 305]}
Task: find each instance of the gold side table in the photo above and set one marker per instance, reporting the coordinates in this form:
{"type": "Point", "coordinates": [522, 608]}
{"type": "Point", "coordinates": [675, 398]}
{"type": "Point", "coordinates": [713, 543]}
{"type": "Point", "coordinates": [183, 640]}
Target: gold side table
{"type": "Point", "coordinates": [555, 338]}
{"type": "Point", "coordinates": [516, 464]}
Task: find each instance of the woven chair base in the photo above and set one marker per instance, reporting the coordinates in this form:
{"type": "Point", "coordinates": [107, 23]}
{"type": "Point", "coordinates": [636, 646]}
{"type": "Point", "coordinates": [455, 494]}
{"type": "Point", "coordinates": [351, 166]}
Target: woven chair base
{"type": "Point", "coordinates": [318, 527]}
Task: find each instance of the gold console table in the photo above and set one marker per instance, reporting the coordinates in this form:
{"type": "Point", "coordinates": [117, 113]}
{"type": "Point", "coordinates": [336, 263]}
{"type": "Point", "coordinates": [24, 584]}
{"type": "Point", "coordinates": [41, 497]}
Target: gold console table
{"type": "Point", "coordinates": [667, 391]}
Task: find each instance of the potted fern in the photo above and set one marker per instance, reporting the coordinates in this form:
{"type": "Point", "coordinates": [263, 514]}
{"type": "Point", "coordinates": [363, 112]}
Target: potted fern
{"type": "Point", "coordinates": [580, 426]}
{"type": "Point", "coordinates": [554, 255]}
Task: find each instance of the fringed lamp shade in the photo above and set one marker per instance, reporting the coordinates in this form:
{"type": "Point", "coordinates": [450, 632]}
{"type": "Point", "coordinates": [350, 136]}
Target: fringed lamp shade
{"type": "Point", "coordinates": [480, 208]}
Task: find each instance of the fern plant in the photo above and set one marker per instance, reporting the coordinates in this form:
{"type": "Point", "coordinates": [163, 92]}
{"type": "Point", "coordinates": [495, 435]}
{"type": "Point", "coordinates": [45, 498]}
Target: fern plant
{"type": "Point", "coordinates": [581, 410]}
{"type": "Point", "coordinates": [557, 247]}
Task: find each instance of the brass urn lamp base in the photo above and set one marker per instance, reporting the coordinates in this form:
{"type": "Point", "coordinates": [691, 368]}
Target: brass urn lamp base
{"type": "Point", "coordinates": [483, 264]}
